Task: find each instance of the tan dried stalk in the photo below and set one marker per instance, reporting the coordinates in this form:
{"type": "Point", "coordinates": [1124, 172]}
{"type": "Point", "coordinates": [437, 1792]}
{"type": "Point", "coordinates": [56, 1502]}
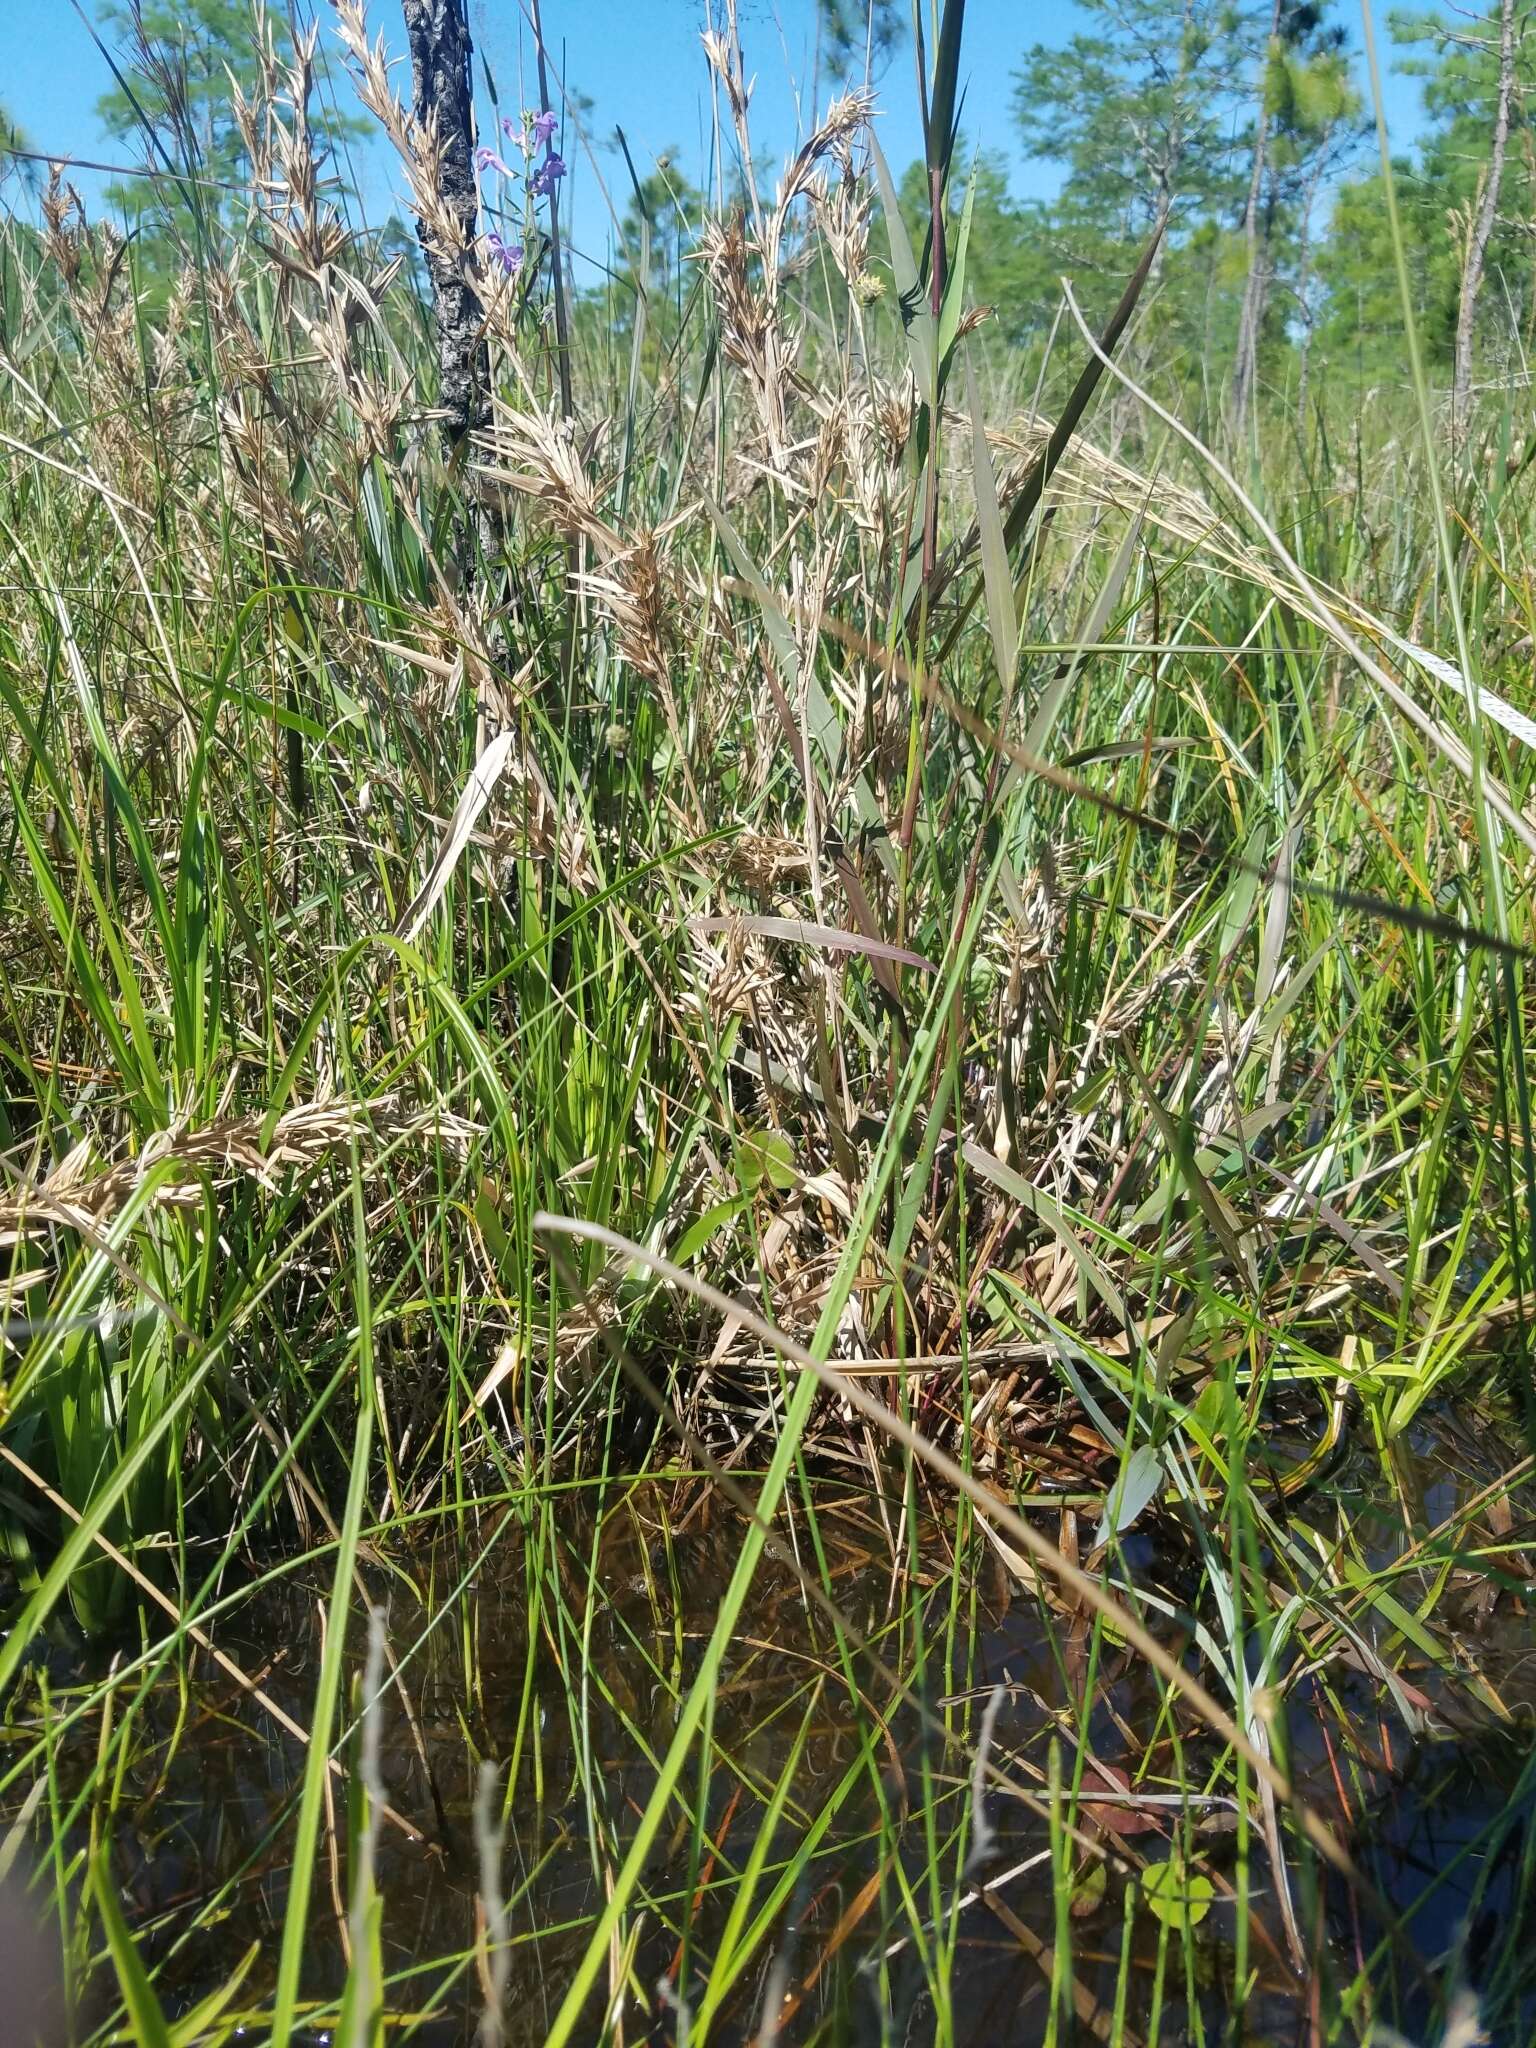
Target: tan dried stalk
{"type": "Point", "coordinates": [747, 272]}
{"type": "Point", "coordinates": [92, 263]}
{"type": "Point", "coordinates": [634, 583]}
{"type": "Point", "coordinates": [80, 1189]}
{"type": "Point", "coordinates": [415, 143]}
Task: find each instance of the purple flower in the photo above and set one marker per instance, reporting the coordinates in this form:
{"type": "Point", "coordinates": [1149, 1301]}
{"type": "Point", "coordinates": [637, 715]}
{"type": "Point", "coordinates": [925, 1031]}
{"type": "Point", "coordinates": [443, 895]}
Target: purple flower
{"type": "Point", "coordinates": [509, 255]}
{"type": "Point", "coordinates": [488, 160]}
{"type": "Point", "coordinates": [548, 175]}
{"type": "Point", "coordinates": [543, 129]}
{"type": "Point", "coordinates": [515, 136]}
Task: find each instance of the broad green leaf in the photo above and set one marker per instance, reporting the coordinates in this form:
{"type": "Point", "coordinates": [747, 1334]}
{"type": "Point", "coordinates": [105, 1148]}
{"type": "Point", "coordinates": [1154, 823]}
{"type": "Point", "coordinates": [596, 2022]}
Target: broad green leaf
{"type": "Point", "coordinates": [1002, 614]}
{"type": "Point", "coordinates": [202, 2027]}
{"type": "Point", "coordinates": [916, 314]}
{"type": "Point", "coordinates": [952, 305]}
{"type": "Point", "coordinates": [144, 2014]}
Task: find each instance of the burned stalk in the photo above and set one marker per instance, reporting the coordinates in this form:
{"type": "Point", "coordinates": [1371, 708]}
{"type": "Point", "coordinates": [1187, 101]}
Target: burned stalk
{"type": "Point", "coordinates": [441, 73]}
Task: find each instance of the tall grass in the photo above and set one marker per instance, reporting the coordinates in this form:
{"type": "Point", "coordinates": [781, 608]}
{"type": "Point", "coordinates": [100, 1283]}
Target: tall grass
{"type": "Point", "coordinates": [772, 1038]}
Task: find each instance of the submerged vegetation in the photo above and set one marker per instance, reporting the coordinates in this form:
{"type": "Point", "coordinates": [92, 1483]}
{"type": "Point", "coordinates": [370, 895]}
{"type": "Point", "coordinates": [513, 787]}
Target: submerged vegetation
{"type": "Point", "coordinates": [768, 1156]}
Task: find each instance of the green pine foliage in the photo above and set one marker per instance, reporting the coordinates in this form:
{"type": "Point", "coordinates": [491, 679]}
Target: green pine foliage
{"type": "Point", "coordinates": [178, 64]}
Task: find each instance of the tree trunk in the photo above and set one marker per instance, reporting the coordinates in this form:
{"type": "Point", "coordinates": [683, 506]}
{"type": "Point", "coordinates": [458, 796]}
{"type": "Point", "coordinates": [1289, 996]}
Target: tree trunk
{"type": "Point", "coordinates": [1482, 226]}
{"type": "Point", "coordinates": [1304, 275]}
{"type": "Point", "coordinates": [438, 32]}
{"type": "Point", "coordinates": [1250, 320]}
{"type": "Point", "coordinates": [1250, 325]}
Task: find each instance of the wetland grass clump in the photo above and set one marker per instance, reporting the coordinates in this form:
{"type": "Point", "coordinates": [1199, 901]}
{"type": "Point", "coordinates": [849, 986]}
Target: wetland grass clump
{"type": "Point", "coordinates": [768, 1166]}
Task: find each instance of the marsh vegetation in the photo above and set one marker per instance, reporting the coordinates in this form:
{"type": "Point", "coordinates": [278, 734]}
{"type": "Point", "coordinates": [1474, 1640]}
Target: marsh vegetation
{"type": "Point", "coordinates": [768, 1155]}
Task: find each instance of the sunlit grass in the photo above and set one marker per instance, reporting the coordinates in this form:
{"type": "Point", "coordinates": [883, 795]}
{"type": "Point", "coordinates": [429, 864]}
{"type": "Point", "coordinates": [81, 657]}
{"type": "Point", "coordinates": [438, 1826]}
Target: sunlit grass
{"type": "Point", "coordinates": [1063, 975]}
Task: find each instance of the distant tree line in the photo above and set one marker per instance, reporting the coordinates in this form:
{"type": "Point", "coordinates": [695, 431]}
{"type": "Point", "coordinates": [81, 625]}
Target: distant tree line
{"type": "Point", "coordinates": [1250, 131]}
{"type": "Point", "coordinates": [1242, 126]}
{"type": "Point", "coordinates": [1245, 127]}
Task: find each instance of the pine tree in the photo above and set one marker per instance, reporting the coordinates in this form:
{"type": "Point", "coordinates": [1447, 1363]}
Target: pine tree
{"type": "Point", "coordinates": [1465, 203]}
{"type": "Point", "coordinates": [177, 58]}
{"type": "Point", "coordinates": [1141, 109]}
{"type": "Point", "coordinates": [1477, 75]}
{"type": "Point", "coordinates": [15, 165]}
{"type": "Point", "coordinates": [860, 32]}
{"type": "Point", "coordinates": [1307, 115]}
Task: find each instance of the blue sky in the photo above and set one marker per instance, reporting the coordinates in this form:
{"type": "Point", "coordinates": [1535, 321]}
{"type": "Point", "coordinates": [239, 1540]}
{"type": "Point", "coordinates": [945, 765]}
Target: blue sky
{"type": "Point", "coordinates": [641, 64]}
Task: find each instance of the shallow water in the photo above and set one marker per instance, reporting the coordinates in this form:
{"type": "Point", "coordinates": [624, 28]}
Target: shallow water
{"type": "Point", "coordinates": [205, 1811]}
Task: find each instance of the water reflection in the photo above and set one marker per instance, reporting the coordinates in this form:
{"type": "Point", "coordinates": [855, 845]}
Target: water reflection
{"type": "Point", "coordinates": [584, 1698]}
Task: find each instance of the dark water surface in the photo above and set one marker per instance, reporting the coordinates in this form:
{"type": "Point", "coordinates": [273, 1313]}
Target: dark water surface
{"type": "Point", "coordinates": [1434, 1794]}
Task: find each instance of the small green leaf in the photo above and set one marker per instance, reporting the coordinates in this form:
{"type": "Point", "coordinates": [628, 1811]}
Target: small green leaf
{"type": "Point", "coordinates": [1141, 1478]}
{"type": "Point", "coordinates": [703, 1228]}
{"type": "Point", "coordinates": [1180, 1898]}
{"type": "Point", "coordinates": [765, 1155]}
{"type": "Point", "coordinates": [1088, 1891]}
